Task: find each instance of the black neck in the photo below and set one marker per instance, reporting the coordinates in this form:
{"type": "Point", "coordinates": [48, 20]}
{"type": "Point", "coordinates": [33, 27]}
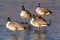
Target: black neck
{"type": "Point", "coordinates": [38, 4]}
{"type": "Point", "coordinates": [34, 16]}
{"type": "Point", "coordinates": [23, 8]}
{"type": "Point", "coordinates": [9, 19]}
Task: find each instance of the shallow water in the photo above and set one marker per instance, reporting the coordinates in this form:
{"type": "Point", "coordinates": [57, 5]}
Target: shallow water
{"type": "Point", "coordinates": [12, 8]}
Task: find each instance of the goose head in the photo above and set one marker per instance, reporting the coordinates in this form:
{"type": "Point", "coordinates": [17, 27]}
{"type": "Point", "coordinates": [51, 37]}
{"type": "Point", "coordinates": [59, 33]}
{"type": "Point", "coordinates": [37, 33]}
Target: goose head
{"type": "Point", "coordinates": [37, 17]}
{"type": "Point", "coordinates": [23, 8]}
{"type": "Point", "coordinates": [33, 17]}
{"type": "Point", "coordinates": [38, 4]}
{"type": "Point", "coordinates": [8, 19]}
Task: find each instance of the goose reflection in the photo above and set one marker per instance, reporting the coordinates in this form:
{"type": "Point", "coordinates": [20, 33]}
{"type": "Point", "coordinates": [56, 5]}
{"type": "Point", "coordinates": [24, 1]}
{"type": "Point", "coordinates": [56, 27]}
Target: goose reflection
{"type": "Point", "coordinates": [15, 37]}
{"type": "Point", "coordinates": [37, 35]}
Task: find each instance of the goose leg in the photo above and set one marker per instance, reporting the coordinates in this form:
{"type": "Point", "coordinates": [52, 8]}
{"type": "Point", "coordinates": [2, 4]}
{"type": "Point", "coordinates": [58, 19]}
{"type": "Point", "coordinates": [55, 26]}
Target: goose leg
{"type": "Point", "coordinates": [14, 32]}
{"type": "Point", "coordinates": [15, 37]}
{"type": "Point", "coordinates": [39, 28]}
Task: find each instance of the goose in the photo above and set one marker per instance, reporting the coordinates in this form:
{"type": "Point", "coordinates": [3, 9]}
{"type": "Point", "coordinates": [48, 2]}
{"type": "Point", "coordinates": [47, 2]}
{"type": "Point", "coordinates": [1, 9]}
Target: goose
{"type": "Point", "coordinates": [38, 21]}
{"type": "Point", "coordinates": [25, 14]}
{"type": "Point", "coordinates": [14, 26]}
{"type": "Point", "coordinates": [42, 10]}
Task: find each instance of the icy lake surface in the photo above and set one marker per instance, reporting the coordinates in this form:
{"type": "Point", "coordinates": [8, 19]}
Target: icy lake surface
{"type": "Point", "coordinates": [12, 8]}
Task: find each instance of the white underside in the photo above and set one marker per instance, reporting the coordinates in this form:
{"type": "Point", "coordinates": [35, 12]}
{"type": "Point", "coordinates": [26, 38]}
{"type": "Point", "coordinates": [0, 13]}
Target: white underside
{"type": "Point", "coordinates": [43, 25]}
{"type": "Point", "coordinates": [48, 13]}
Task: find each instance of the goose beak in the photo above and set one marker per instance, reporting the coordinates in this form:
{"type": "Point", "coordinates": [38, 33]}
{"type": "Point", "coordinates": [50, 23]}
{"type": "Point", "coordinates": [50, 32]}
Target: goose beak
{"type": "Point", "coordinates": [38, 4]}
{"type": "Point", "coordinates": [23, 8]}
{"type": "Point", "coordinates": [8, 19]}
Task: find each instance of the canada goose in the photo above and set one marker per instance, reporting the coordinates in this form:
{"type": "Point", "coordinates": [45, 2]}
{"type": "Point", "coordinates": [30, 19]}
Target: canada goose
{"type": "Point", "coordinates": [38, 21]}
{"type": "Point", "coordinates": [14, 26]}
{"type": "Point", "coordinates": [25, 14]}
{"type": "Point", "coordinates": [42, 10]}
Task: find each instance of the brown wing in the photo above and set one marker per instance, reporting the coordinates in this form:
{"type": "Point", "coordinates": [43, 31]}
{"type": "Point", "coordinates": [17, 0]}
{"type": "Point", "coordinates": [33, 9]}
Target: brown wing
{"type": "Point", "coordinates": [15, 24]}
{"type": "Point", "coordinates": [28, 12]}
{"type": "Point", "coordinates": [43, 9]}
{"type": "Point", "coordinates": [40, 20]}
